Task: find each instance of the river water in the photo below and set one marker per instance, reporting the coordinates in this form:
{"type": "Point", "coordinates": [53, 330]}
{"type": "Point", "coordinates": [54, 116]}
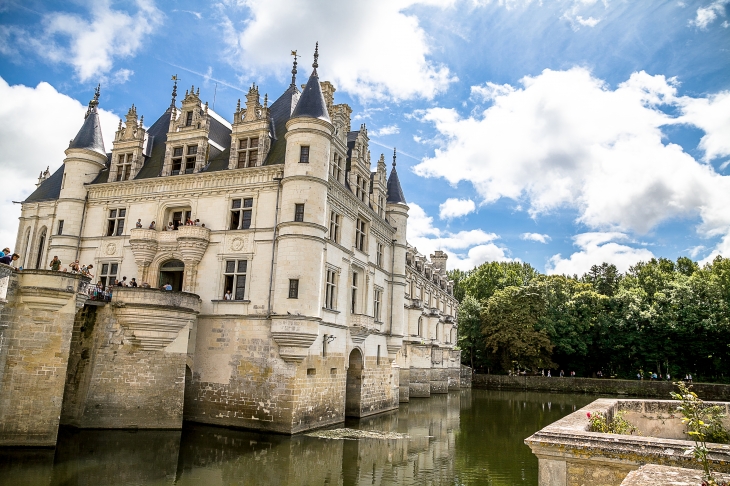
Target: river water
{"type": "Point", "coordinates": [470, 437]}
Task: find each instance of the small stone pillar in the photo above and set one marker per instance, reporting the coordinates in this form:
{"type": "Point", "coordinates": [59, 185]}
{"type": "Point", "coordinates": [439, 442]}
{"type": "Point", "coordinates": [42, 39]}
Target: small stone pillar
{"type": "Point", "coordinates": [39, 319]}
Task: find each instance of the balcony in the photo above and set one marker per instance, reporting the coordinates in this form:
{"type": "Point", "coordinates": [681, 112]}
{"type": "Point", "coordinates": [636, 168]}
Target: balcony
{"type": "Point", "coordinates": [191, 241]}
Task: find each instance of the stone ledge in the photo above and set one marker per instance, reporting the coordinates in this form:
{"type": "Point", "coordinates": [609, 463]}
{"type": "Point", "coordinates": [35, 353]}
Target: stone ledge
{"type": "Point", "coordinates": [655, 475]}
{"type": "Point", "coordinates": [294, 336]}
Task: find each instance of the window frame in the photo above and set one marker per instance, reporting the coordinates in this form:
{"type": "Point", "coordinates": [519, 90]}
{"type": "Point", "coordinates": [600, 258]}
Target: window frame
{"type": "Point", "coordinates": [335, 222]}
{"type": "Point", "coordinates": [60, 227]}
{"type": "Point", "coordinates": [247, 151]}
{"type": "Point", "coordinates": [360, 234]}
{"type": "Point", "coordinates": [233, 277]}
{"type": "Point", "coordinates": [293, 288]}
{"type": "Point", "coordinates": [379, 253]}
{"type": "Point", "coordinates": [299, 212]}
{"type": "Point", "coordinates": [330, 293]}
{"type": "Point", "coordinates": [354, 289]}
{"type": "Point", "coordinates": [243, 214]}
{"type": "Point", "coordinates": [105, 273]}
{"type": "Point", "coordinates": [115, 216]}
{"type": "Point", "coordinates": [304, 154]}
{"type": "Point", "coordinates": [377, 304]}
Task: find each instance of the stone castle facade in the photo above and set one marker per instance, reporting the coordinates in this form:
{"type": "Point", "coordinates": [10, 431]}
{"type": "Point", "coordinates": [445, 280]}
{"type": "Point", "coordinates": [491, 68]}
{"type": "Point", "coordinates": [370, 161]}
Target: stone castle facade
{"type": "Point", "coordinates": [296, 301]}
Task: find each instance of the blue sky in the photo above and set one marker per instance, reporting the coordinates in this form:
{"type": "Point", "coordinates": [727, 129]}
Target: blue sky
{"type": "Point", "coordinates": [561, 133]}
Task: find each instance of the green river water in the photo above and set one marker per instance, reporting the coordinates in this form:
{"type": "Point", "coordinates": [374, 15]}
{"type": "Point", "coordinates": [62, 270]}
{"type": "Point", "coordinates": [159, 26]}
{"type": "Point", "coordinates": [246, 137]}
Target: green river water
{"type": "Point", "coordinates": [470, 437]}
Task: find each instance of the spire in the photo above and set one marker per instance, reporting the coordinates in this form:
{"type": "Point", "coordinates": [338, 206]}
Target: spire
{"type": "Point", "coordinates": [395, 193]}
{"type": "Point", "coordinates": [315, 65]}
{"type": "Point", "coordinates": [294, 70]}
{"type": "Point", "coordinates": [174, 91]}
{"type": "Point", "coordinates": [89, 136]}
{"type": "Point", "coordinates": [312, 103]}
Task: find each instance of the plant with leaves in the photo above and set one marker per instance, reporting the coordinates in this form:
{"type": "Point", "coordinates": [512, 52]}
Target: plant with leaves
{"type": "Point", "coordinates": [471, 339]}
{"type": "Point", "coordinates": [619, 425]}
{"type": "Point", "coordinates": [694, 416]}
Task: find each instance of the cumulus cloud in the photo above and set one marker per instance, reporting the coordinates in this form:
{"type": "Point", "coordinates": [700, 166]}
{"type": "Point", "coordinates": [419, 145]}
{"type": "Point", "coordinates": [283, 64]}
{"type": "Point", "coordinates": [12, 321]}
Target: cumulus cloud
{"type": "Point", "coordinates": [567, 140]}
{"type": "Point", "coordinates": [596, 248]}
{"type": "Point", "coordinates": [90, 44]}
{"type": "Point", "coordinates": [706, 15]}
{"type": "Point", "coordinates": [535, 237]}
{"type": "Point", "coordinates": [456, 208]}
{"type": "Point", "coordinates": [466, 249]}
{"type": "Point", "coordinates": [393, 62]}
{"type": "Point", "coordinates": [386, 130]}
{"type": "Point", "coordinates": [25, 113]}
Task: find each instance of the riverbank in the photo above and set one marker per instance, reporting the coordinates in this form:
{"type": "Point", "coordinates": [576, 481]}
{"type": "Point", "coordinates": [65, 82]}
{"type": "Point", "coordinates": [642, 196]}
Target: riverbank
{"type": "Point", "coordinates": [598, 386]}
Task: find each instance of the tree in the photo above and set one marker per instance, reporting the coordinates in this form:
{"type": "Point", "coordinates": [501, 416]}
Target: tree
{"type": "Point", "coordinates": [509, 323]}
{"type": "Point", "coordinates": [471, 339]}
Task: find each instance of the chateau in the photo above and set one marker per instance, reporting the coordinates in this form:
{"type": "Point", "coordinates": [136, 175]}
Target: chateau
{"type": "Point", "coordinates": [296, 300]}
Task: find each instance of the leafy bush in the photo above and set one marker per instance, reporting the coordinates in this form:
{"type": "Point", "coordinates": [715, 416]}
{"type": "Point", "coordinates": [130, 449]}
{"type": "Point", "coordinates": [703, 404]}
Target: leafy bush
{"type": "Point", "coordinates": [619, 425]}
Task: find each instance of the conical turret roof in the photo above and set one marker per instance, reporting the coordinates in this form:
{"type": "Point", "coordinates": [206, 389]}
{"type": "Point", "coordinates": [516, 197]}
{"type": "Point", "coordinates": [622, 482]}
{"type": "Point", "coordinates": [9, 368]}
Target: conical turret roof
{"type": "Point", "coordinates": [89, 137]}
{"type": "Point", "coordinates": [395, 192]}
{"type": "Point", "coordinates": [312, 103]}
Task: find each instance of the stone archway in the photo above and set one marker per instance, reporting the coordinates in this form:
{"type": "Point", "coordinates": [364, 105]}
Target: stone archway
{"type": "Point", "coordinates": [353, 390]}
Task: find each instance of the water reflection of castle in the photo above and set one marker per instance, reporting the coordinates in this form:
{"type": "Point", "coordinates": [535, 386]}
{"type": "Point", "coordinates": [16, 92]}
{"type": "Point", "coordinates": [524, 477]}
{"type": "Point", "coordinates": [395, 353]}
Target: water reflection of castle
{"type": "Point", "coordinates": [212, 455]}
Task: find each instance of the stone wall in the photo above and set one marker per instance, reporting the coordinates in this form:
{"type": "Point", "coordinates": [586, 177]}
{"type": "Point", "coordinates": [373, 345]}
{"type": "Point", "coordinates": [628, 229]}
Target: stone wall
{"type": "Point", "coordinates": [125, 372]}
{"type": "Point", "coordinates": [380, 387]}
{"type": "Point", "coordinates": [39, 318]}
{"type": "Point", "coordinates": [633, 388]}
{"type": "Point", "coordinates": [466, 374]}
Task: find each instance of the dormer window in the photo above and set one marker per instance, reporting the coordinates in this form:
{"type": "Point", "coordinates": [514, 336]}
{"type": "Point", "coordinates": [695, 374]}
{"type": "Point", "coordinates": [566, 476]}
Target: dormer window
{"type": "Point", "coordinates": [190, 159]}
{"type": "Point", "coordinates": [248, 152]}
{"type": "Point", "coordinates": [124, 167]}
{"type": "Point", "coordinates": [177, 153]}
{"type": "Point", "coordinates": [188, 118]}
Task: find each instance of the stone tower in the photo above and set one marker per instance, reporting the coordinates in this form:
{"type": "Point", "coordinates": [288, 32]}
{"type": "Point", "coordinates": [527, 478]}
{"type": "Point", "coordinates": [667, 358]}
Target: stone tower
{"type": "Point", "coordinates": [85, 157]}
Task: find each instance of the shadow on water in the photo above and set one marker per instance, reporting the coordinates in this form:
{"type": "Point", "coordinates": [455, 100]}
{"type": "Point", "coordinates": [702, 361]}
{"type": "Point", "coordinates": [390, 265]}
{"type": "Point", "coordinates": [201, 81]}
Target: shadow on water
{"type": "Point", "coordinates": [470, 437]}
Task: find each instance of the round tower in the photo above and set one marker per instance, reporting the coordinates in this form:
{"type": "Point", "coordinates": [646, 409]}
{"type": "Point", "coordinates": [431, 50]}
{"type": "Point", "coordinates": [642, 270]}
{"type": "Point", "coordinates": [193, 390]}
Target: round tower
{"type": "Point", "coordinates": [85, 157]}
{"type": "Point", "coordinates": [303, 227]}
{"type": "Point", "coordinates": [396, 211]}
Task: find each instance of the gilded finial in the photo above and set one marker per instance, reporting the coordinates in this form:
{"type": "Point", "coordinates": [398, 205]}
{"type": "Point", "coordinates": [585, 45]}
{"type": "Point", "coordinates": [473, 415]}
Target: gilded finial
{"type": "Point", "coordinates": [315, 65]}
{"type": "Point", "coordinates": [294, 70]}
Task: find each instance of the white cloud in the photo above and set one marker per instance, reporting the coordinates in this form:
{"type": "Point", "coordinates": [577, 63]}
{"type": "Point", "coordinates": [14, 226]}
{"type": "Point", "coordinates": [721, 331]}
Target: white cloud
{"type": "Point", "coordinates": [596, 248]}
{"type": "Point", "coordinates": [490, 91]}
{"type": "Point", "coordinates": [89, 44]}
{"type": "Point", "coordinates": [707, 15]}
{"type": "Point", "coordinates": [577, 20]}
{"type": "Point", "coordinates": [386, 130]}
{"type": "Point", "coordinates": [372, 50]}
{"type": "Point", "coordinates": [25, 113]}
{"type": "Point", "coordinates": [456, 208]}
{"type": "Point", "coordinates": [466, 249]}
{"type": "Point", "coordinates": [535, 237]}
{"type": "Point", "coordinates": [122, 76]}
{"type": "Point", "coordinates": [567, 140]}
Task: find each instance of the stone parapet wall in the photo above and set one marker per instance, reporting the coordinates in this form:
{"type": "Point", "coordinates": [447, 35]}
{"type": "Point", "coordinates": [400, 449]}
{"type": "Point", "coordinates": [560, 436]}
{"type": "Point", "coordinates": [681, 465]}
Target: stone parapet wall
{"type": "Point", "coordinates": [420, 383]}
{"type": "Point", "coordinates": [439, 380]}
{"type": "Point", "coordinates": [605, 386]}
{"type": "Point", "coordinates": [380, 387]}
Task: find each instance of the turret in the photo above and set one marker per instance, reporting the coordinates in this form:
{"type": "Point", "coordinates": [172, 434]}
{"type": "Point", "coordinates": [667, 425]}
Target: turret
{"type": "Point", "coordinates": [303, 219]}
{"type": "Point", "coordinates": [85, 158]}
{"type": "Point", "coordinates": [397, 214]}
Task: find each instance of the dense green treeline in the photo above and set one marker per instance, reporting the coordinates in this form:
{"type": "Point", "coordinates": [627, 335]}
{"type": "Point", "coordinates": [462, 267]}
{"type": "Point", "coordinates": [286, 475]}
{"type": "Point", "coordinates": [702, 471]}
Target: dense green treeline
{"type": "Point", "coordinates": [660, 316]}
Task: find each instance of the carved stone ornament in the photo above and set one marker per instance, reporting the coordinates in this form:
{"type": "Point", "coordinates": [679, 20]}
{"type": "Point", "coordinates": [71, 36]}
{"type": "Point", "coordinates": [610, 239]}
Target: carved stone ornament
{"type": "Point", "coordinates": [111, 249]}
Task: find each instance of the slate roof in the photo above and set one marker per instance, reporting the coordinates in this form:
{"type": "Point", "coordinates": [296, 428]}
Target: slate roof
{"type": "Point", "coordinates": [312, 104]}
{"type": "Point", "coordinates": [49, 189]}
{"type": "Point", "coordinates": [395, 193]}
{"type": "Point", "coordinates": [157, 136]}
{"type": "Point", "coordinates": [89, 137]}
{"type": "Point", "coordinates": [281, 111]}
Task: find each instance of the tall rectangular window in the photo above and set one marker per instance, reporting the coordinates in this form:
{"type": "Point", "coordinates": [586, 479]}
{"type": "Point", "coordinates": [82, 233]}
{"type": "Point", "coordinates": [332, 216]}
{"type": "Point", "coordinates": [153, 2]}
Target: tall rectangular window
{"type": "Point", "coordinates": [108, 273]}
{"type": "Point", "coordinates": [60, 227]}
{"type": "Point", "coordinates": [293, 288]}
{"type": "Point", "coordinates": [241, 213]}
{"type": "Point", "coordinates": [358, 190]}
{"type": "Point", "coordinates": [360, 234]}
{"type": "Point", "coordinates": [299, 212]}
{"type": "Point", "coordinates": [248, 152]}
{"type": "Point", "coordinates": [353, 299]}
{"type": "Point", "coordinates": [188, 118]}
{"type": "Point", "coordinates": [124, 167]}
{"type": "Point", "coordinates": [377, 358]}
{"type": "Point", "coordinates": [381, 205]}
{"type": "Point", "coordinates": [334, 227]}
{"type": "Point", "coordinates": [177, 153]}
{"type": "Point", "coordinates": [190, 159]}
{"type": "Point", "coordinates": [304, 154]}
{"type": "Point", "coordinates": [330, 290]}
{"type": "Point", "coordinates": [115, 222]}
{"type": "Point", "coordinates": [377, 299]}
{"type": "Point", "coordinates": [363, 189]}
{"type": "Point", "coordinates": [379, 255]}
{"type": "Point", "coordinates": [337, 166]}
{"type": "Point", "coordinates": [235, 279]}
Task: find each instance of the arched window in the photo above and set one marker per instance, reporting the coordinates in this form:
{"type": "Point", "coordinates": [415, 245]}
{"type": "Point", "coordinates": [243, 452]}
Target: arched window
{"type": "Point", "coordinates": [41, 248]}
{"type": "Point", "coordinates": [26, 250]}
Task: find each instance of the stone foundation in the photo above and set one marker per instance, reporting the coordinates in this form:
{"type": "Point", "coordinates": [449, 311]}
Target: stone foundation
{"type": "Point", "coordinates": [39, 317]}
{"type": "Point", "coordinates": [127, 366]}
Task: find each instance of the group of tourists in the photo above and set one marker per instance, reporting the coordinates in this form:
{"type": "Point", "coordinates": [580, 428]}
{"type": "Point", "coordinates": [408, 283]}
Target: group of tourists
{"type": "Point", "coordinates": [8, 258]}
{"type": "Point", "coordinates": [171, 225]}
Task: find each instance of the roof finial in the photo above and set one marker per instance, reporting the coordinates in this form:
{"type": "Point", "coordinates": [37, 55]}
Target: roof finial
{"type": "Point", "coordinates": [316, 56]}
{"type": "Point", "coordinates": [294, 70]}
{"type": "Point", "coordinates": [94, 102]}
{"type": "Point", "coordinates": [394, 157]}
{"type": "Point", "coordinates": [266, 100]}
{"type": "Point", "coordinates": [97, 92]}
{"type": "Point", "coordinates": [174, 90]}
